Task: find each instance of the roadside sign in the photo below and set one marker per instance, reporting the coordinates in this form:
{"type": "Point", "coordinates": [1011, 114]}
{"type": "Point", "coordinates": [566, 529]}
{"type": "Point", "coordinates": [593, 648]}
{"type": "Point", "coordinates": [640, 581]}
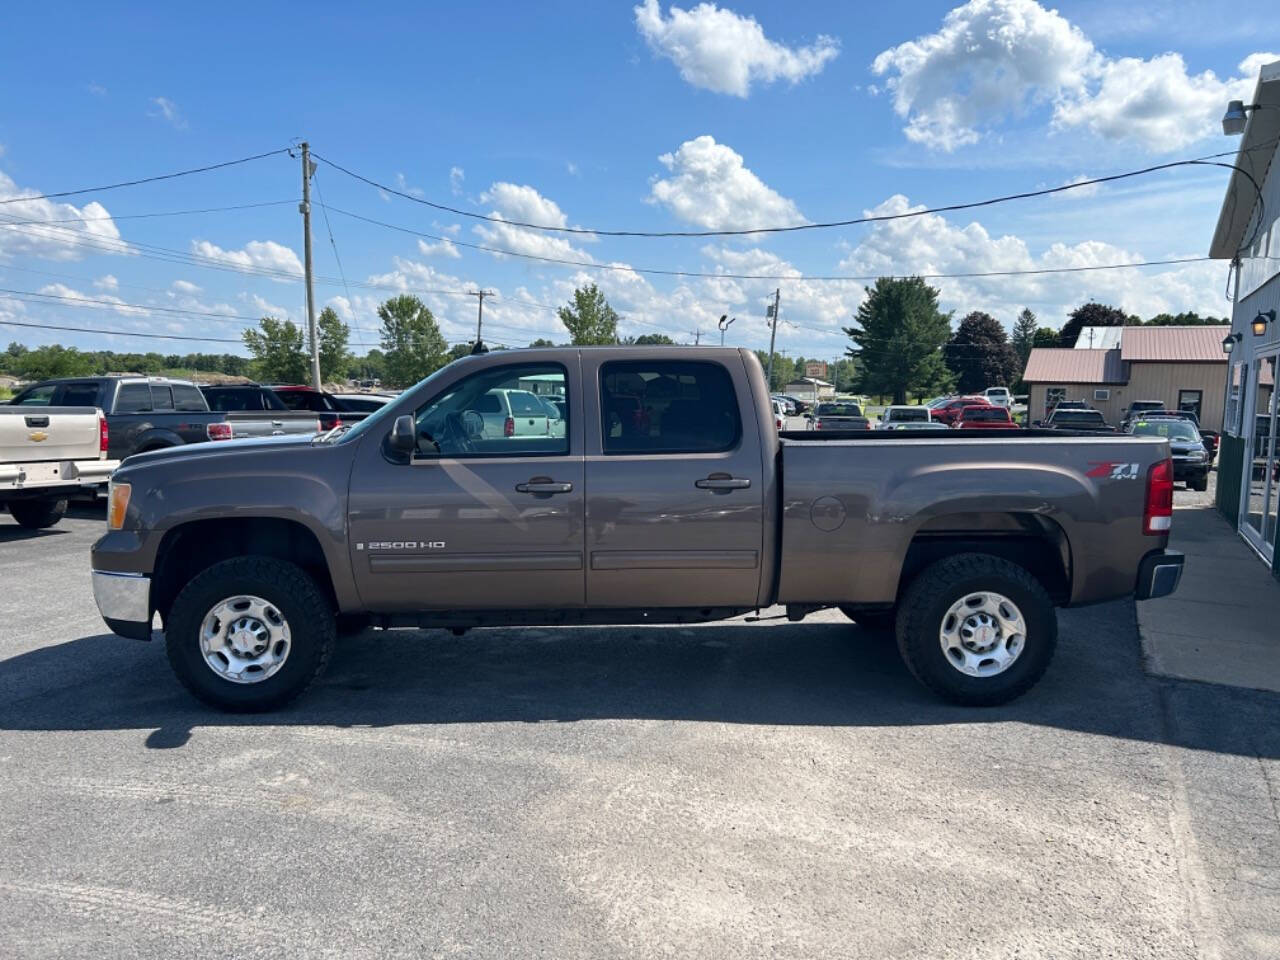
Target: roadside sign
{"type": "Point", "coordinates": [815, 368]}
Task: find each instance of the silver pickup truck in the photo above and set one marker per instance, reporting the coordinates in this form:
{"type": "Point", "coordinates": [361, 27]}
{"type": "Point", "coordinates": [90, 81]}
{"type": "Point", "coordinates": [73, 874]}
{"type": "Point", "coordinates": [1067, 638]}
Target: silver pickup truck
{"type": "Point", "coordinates": [49, 455]}
{"type": "Point", "coordinates": [669, 497]}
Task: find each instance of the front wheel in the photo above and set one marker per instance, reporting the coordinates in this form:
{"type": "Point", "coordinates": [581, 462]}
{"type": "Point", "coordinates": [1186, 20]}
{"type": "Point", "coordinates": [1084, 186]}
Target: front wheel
{"type": "Point", "coordinates": [250, 634]}
{"type": "Point", "coordinates": [37, 514]}
{"type": "Point", "coordinates": [976, 629]}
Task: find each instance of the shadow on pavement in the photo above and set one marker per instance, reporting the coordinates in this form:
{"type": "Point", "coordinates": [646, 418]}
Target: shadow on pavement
{"type": "Point", "coordinates": [12, 533]}
{"type": "Point", "coordinates": [829, 674]}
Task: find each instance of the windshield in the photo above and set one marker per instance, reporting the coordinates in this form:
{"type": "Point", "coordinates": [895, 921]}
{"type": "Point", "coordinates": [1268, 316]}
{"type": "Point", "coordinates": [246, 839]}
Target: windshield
{"type": "Point", "coordinates": [1170, 429]}
{"type": "Point", "coordinates": [839, 410]}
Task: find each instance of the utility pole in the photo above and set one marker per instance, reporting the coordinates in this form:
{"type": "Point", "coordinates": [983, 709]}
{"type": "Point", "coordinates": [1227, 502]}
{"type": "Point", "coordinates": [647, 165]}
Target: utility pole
{"type": "Point", "coordinates": [697, 337]}
{"type": "Point", "coordinates": [479, 295]}
{"type": "Point", "coordinates": [772, 314]}
{"type": "Point", "coordinates": [308, 168]}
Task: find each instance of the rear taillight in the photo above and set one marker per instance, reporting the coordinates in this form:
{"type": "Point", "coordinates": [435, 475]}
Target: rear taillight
{"type": "Point", "coordinates": [218, 431]}
{"type": "Point", "coordinates": [509, 427]}
{"type": "Point", "coordinates": [817, 424]}
{"type": "Point", "coordinates": [336, 423]}
{"type": "Point", "coordinates": [1157, 515]}
{"type": "Point", "coordinates": [102, 436]}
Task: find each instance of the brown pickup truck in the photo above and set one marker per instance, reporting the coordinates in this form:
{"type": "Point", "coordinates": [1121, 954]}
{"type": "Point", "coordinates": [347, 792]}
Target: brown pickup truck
{"type": "Point", "coordinates": [665, 495]}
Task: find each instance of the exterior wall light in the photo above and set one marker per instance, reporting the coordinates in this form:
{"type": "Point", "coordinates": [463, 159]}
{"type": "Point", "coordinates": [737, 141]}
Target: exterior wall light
{"type": "Point", "coordinates": [1230, 340]}
{"type": "Point", "coordinates": [1261, 320]}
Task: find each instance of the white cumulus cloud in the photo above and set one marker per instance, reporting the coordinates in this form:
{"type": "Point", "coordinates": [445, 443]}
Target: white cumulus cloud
{"type": "Point", "coordinates": [442, 248]}
{"type": "Point", "coordinates": [512, 201]}
{"type": "Point", "coordinates": [52, 230]}
{"type": "Point", "coordinates": [711, 187]}
{"type": "Point", "coordinates": [255, 255]}
{"type": "Point", "coordinates": [168, 110]}
{"type": "Point", "coordinates": [725, 52]}
{"type": "Point", "coordinates": [995, 59]}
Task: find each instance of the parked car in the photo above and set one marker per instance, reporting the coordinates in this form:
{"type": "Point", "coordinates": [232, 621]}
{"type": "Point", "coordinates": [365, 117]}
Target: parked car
{"type": "Point", "coordinates": [919, 426]}
{"type": "Point", "coordinates": [513, 413]}
{"type": "Point", "coordinates": [998, 396]}
{"type": "Point", "coordinates": [250, 552]}
{"type": "Point", "coordinates": [557, 415]}
{"type": "Point", "coordinates": [894, 415]}
{"type": "Point", "coordinates": [838, 416]}
{"type": "Point", "coordinates": [1137, 408]}
{"type": "Point", "coordinates": [143, 413]}
{"type": "Point", "coordinates": [1064, 418]}
{"type": "Point", "coordinates": [1209, 437]}
{"type": "Point", "coordinates": [779, 413]}
{"type": "Point", "coordinates": [330, 407]}
{"type": "Point", "coordinates": [948, 412]}
{"type": "Point", "coordinates": [362, 402]}
{"type": "Point", "coordinates": [49, 455]}
{"type": "Point", "coordinates": [788, 404]}
{"type": "Point", "coordinates": [985, 417]}
{"type": "Point", "coordinates": [256, 411]}
{"type": "Point", "coordinates": [1190, 458]}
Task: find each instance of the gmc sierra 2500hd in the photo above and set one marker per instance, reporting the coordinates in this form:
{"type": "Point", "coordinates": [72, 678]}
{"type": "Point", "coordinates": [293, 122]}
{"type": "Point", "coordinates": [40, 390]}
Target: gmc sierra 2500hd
{"type": "Point", "coordinates": [669, 497]}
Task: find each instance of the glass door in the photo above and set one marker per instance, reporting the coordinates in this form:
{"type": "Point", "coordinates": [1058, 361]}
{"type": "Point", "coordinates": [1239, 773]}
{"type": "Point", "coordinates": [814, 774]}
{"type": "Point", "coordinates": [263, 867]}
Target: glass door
{"type": "Point", "coordinates": [1260, 484]}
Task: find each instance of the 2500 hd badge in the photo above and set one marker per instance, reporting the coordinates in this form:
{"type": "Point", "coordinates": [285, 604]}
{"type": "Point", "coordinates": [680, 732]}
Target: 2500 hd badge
{"type": "Point", "coordinates": [403, 545]}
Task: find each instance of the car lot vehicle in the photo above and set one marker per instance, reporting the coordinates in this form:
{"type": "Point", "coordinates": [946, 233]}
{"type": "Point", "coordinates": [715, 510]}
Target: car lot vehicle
{"type": "Point", "coordinates": [251, 552]}
{"type": "Point", "coordinates": [998, 396]}
{"type": "Point", "coordinates": [362, 402]}
{"type": "Point", "coordinates": [256, 411]}
{"type": "Point", "coordinates": [1190, 458]}
{"type": "Point", "coordinates": [779, 414]}
{"type": "Point", "coordinates": [1068, 405]}
{"type": "Point", "coordinates": [948, 412]}
{"type": "Point", "coordinates": [1208, 437]}
{"type": "Point", "coordinates": [918, 425]}
{"type": "Point", "coordinates": [49, 455]}
{"type": "Point", "coordinates": [894, 415]}
{"type": "Point", "coordinates": [557, 415]}
{"type": "Point", "coordinates": [1137, 409]}
{"type": "Point", "coordinates": [143, 413]}
{"type": "Point", "coordinates": [788, 404]}
{"type": "Point", "coordinates": [329, 407]}
{"type": "Point", "coordinates": [985, 417]}
{"type": "Point", "coordinates": [512, 413]}
{"type": "Point", "coordinates": [830, 415]}
{"type": "Point", "coordinates": [1070, 418]}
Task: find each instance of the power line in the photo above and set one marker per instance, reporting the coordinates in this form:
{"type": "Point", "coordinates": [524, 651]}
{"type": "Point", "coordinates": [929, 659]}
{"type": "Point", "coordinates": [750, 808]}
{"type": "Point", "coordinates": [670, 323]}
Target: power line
{"type": "Point", "coordinates": [129, 306]}
{"type": "Point", "coordinates": [151, 216]}
{"type": "Point", "coordinates": [139, 182]}
{"type": "Point", "coordinates": [337, 259]}
{"type": "Point", "coordinates": [126, 333]}
{"type": "Point", "coordinates": [794, 228]}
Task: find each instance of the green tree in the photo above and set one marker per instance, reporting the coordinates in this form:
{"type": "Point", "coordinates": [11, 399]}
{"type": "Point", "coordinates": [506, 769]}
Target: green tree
{"type": "Point", "coordinates": [459, 350]}
{"type": "Point", "coordinates": [1045, 337]}
{"type": "Point", "coordinates": [590, 319]}
{"type": "Point", "coordinates": [412, 341]}
{"type": "Point", "coordinates": [279, 355]}
{"type": "Point", "coordinates": [1188, 319]}
{"type": "Point", "coordinates": [542, 342]}
{"type": "Point", "coordinates": [979, 354]}
{"type": "Point", "coordinates": [654, 340]}
{"type": "Point", "coordinates": [44, 363]}
{"type": "Point", "coordinates": [1089, 315]}
{"type": "Point", "coordinates": [333, 336]}
{"type": "Point", "coordinates": [1024, 336]}
{"type": "Point", "coordinates": [898, 337]}
{"type": "Point", "coordinates": [372, 366]}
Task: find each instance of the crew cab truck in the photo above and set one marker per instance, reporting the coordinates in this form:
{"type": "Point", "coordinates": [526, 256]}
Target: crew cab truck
{"type": "Point", "coordinates": [254, 553]}
{"type": "Point", "coordinates": [49, 455]}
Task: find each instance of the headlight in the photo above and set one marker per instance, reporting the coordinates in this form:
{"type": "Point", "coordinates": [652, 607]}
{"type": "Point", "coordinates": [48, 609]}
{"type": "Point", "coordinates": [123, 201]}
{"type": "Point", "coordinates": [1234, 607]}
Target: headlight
{"type": "Point", "coordinates": [117, 504]}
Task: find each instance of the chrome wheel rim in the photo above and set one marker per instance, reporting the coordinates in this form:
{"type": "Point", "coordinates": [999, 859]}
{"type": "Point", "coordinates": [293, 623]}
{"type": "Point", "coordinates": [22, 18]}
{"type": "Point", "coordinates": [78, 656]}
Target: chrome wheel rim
{"type": "Point", "coordinates": [983, 634]}
{"type": "Point", "coordinates": [245, 639]}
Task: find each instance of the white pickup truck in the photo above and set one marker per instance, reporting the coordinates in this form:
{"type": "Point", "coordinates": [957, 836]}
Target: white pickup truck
{"type": "Point", "coordinates": [49, 455]}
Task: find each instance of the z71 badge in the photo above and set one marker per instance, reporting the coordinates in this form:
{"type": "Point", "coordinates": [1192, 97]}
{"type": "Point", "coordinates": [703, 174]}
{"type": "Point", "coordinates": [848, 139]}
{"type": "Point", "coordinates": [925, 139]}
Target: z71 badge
{"type": "Point", "coordinates": [1112, 470]}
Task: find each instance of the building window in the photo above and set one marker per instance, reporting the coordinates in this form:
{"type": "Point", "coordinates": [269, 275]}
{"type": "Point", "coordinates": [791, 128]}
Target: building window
{"type": "Point", "coordinates": [1235, 390]}
{"type": "Point", "coordinates": [1102, 394]}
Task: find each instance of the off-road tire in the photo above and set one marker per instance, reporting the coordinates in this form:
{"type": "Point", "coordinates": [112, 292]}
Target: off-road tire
{"type": "Point", "coordinates": [284, 585]}
{"type": "Point", "coordinates": [1200, 485]}
{"type": "Point", "coordinates": [930, 595]}
{"type": "Point", "coordinates": [37, 514]}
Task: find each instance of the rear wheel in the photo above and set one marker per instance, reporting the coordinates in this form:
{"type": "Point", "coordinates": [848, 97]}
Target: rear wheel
{"type": "Point", "coordinates": [1201, 484]}
{"type": "Point", "coordinates": [977, 630]}
{"type": "Point", "coordinates": [37, 514]}
{"type": "Point", "coordinates": [249, 634]}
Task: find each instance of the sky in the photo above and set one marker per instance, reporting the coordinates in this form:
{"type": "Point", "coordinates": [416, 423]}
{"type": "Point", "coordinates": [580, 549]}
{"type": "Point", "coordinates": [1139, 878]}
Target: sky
{"type": "Point", "coordinates": [647, 117]}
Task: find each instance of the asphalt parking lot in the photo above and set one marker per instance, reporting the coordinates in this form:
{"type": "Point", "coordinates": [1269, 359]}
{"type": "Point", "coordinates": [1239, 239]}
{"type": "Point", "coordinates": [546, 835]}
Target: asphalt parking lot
{"type": "Point", "coordinates": [727, 790]}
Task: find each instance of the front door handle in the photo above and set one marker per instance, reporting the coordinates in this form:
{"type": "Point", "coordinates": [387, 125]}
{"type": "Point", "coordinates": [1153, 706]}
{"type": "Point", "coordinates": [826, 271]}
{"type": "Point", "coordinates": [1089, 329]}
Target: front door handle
{"type": "Point", "coordinates": [722, 481]}
{"type": "Point", "coordinates": [544, 485]}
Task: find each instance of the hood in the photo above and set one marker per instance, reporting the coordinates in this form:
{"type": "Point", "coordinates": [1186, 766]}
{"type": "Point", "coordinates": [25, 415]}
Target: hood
{"type": "Point", "coordinates": [217, 449]}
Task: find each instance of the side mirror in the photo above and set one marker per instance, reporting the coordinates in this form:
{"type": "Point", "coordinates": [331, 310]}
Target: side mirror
{"type": "Point", "coordinates": [402, 438]}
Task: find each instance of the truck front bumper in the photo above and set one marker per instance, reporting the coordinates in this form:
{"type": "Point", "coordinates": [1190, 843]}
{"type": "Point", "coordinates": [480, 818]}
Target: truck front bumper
{"type": "Point", "coordinates": [1159, 574]}
{"type": "Point", "coordinates": [124, 600]}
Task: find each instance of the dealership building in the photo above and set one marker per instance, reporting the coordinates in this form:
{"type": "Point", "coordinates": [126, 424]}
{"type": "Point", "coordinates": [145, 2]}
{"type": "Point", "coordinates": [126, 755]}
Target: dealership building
{"type": "Point", "coordinates": [1248, 237]}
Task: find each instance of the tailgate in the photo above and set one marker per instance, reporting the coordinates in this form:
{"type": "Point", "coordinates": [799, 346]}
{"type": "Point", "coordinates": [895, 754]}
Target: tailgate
{"type": "Point", "coordinates": [30, 434]}
{"type": "Point", "coordinates": [272, 423]}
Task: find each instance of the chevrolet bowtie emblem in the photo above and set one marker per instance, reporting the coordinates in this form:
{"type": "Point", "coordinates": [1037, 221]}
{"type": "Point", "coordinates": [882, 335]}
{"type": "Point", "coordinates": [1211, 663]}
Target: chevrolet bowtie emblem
{"type": "Point", "coordinates": [37, 436]}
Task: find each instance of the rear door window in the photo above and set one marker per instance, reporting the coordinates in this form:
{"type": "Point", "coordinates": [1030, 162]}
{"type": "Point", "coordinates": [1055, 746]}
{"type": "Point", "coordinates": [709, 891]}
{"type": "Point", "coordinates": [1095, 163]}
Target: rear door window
{"type": "Point", "coordinates": [675, 406]}
{"type": "Point", "coordinates": [162, 397]}
{"type": "Point", "coordinates": [41, 396]}
{"type": "Point", "coordinates": [133, 398]}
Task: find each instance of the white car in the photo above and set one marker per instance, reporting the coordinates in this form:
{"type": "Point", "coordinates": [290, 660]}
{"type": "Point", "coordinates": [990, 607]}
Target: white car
{"type": "Point", "coordinates": [557, 414]}
{"type": "Point", "coordinates": [779, 414]}
{"type": "Point", "coordinates": [998, 397]}
{"type": "Point", "coordinates": [895, 415]}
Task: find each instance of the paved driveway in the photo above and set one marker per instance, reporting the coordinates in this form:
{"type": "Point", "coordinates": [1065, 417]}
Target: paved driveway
{"type": "Point", "coordinates": [728, 790]}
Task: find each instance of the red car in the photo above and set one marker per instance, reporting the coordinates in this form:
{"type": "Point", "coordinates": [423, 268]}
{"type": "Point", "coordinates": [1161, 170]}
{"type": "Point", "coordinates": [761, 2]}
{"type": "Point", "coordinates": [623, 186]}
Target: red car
{"type": "Point", "coordinates": [985, 417]}
{"type": "Point", "coordinates": [950, 411]}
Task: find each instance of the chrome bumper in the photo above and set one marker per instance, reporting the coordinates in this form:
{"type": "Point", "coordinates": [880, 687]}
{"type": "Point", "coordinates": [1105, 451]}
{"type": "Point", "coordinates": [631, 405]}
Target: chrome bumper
{"type": "Point", "coordinates": [123, 597]}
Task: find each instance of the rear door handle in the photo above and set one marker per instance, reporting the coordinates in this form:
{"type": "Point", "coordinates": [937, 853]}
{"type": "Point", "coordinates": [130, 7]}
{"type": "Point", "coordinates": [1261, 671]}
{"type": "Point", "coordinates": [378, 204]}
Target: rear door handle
{"type": "Point", "coordinates": [722, 482]}
{"type": "Point", "coordinates": [544, 485]}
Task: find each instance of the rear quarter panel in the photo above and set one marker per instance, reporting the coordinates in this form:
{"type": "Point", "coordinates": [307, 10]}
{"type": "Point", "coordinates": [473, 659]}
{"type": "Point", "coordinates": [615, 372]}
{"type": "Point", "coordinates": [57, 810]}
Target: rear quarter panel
{"type": "Point", "coordinates": [851, 508]}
